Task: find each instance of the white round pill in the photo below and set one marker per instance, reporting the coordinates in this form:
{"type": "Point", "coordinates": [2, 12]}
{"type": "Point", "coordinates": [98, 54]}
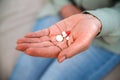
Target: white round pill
{"type": "Point", "coordinates": [67, 38]}
{"type": "Point", "coordinates": [59, 38]}
{"type": "Point", "coordinates": [64, 34]}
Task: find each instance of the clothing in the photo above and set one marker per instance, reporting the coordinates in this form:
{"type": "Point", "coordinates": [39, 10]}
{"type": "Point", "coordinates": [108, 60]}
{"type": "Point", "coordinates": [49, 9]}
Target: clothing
{"type": "Point", "coordinates": [107, 11]}
{"type": "Point", "coordinates": [92, 64]}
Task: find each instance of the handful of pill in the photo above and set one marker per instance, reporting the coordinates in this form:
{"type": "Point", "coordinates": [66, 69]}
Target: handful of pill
{"type": "Point", "coordinates": [65, 35]}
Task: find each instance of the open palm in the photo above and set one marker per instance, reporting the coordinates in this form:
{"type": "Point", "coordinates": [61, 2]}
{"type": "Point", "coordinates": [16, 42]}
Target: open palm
{"type": "Point", "coordinates": [43, 43]}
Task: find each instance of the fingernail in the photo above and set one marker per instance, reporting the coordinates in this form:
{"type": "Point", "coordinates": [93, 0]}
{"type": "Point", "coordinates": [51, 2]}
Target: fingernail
{"type": "Point", "coordinates": [28, 35]}
{"type": "Point", "coordinates": [62, 59]}
{"type": "Point", "coordinates": [18, 47]}
{"type": "Point", "coordinates": [19, 41]}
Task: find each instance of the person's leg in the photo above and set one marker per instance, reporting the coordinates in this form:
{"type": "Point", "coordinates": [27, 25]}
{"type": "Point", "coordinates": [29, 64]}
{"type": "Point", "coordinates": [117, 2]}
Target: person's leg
{"type": "Point", "coordinates": [92, 64]}
{"type": "Point", "coordinates": [31, 68]}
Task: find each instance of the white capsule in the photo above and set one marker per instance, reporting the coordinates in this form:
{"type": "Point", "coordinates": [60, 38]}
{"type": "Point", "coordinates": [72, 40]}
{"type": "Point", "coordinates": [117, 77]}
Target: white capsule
{"type": "Point", "coordinates": [59, 38]}
{"type": "Point", "coordinates": [64, 34]}
{"type": "Point", "coordinates": [67, 38]}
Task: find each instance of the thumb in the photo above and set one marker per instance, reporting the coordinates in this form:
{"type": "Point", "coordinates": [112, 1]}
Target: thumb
{"type": "Point", "coordinates": [72, 50]}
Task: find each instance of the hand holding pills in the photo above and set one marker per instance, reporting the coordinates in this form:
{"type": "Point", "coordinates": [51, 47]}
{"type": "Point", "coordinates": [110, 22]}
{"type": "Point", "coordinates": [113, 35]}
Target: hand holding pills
{"type": "Point", "coordinates": [62, 40]}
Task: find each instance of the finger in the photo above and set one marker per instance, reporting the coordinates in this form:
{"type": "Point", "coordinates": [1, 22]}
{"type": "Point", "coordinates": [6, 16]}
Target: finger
{"type": "Point", "coordinates": [24, 46]}
{"type": "Point", "coordinates": [48, 52]}
{"type": "Point", "coordinates": [71, 40]}
{"type": "Point", "coordinates": [62, 45]}
{"type": "Point", "coordinates": [33, 40]}
{"type": "Point", "coordinates": [38, 34]}
{"type": "Point", "coordinates": [72, 50]}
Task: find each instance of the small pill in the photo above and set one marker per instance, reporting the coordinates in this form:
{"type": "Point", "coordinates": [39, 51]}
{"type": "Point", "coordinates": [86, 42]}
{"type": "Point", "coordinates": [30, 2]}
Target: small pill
{"type": "Point", "coordinates": [59, 38]}
{"type": "Point", "coordinates": [64, 34]}
{"type": "Point", "coordinates": [68, 32]}
{"type": "Point", "coordinates": [67, 38]}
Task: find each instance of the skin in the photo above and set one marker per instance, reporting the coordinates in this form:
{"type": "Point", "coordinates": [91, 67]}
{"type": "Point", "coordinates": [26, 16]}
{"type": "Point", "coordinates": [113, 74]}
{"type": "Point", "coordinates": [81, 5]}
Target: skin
{"type": "Point", "coordinates": [69, 10]}
{"type": "Point", "coordinates": [83, 27]}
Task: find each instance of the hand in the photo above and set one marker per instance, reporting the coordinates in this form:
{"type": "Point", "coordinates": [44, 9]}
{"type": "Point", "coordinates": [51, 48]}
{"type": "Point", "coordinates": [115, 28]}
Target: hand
{"type": "Point", "coordinates": [69, 10]}
{"type": "Point", "coordinates": [83, 27]}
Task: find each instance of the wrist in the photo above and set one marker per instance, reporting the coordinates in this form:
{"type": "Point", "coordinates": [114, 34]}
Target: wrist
{"type": "Point", "coordinates": [96, 21]}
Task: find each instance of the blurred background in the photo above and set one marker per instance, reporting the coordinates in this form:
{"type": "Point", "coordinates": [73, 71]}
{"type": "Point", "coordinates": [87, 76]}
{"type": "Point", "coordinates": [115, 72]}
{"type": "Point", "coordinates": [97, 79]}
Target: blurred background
{"type": "Point", "coordinates": [17, 17]}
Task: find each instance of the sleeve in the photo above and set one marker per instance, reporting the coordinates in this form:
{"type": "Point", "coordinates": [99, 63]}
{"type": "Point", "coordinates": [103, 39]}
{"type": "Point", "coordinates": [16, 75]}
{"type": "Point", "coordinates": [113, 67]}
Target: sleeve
{"type": "Point", "coordinates": [110, 19]}
{"type": "Point", "coordinates": [52, 7]}
{"type": "Point", "coordinates": [60, 3]}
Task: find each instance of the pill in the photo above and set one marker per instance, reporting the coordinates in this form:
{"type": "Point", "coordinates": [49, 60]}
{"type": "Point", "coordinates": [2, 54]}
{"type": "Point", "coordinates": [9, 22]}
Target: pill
{"type": "Point", "coordinates": [59, 38]}
{"type": "Point", "coordinates": [67, 38]}
{"type": "Point", "coordinates": [68, 32]}
{"type": "Point", "coordinates": [64, 34]}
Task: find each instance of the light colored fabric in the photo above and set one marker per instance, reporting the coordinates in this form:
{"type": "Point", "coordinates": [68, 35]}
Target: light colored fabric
{"type": "Point", "coordinates": [52, 7]}
{"type": "Point", "coordinates": [17, 17]}
{"type": "Point", "coordinates": [94, 4]}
